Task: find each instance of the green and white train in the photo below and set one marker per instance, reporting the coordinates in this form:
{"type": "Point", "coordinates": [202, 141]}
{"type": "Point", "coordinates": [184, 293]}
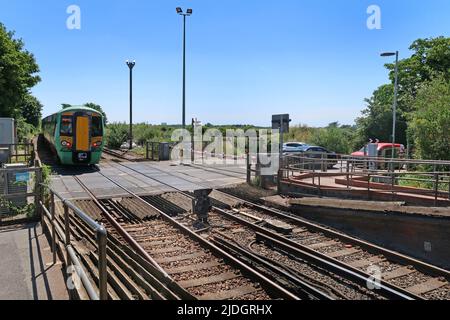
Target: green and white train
{"type": "Point", "coordinates": [75, 135]}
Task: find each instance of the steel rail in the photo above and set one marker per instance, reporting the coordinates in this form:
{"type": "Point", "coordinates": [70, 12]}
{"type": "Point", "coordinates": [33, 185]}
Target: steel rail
{"type": "Point", "coordinates": [272, 286]}
{"type": "Point", "coordinates": [127, 237]}
{"type": "Point", "coordinates": [326, 261]}
{"type": "Point", "coordinates": [395, 256]}
{"type": "Point", "coordinates": [307, 288]}
{"type": "Point", "coordinates": [399, 292]}
{"type": "Point", "coordinates": [348, 270]}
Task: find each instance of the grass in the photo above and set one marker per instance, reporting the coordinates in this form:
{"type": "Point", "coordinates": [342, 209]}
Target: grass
{"type": "Point", "coordinates": [417, 181]}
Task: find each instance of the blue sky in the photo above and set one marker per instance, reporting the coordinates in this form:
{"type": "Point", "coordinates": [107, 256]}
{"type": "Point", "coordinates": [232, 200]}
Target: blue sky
{"type": "Point", "coordinates": [246, 59]}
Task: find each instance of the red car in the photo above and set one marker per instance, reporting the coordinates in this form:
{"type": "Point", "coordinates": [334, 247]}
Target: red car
{"type": "Point", "coordinates": [384, 150]}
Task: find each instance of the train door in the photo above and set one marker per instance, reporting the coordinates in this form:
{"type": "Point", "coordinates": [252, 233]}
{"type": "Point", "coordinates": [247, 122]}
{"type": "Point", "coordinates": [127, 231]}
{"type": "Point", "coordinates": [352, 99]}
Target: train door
{"type": "Point", "coordinates": [82, 138]}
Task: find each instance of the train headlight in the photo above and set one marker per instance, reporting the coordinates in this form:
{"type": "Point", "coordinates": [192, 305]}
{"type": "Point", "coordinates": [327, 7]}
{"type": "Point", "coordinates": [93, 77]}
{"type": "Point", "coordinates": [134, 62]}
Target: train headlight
{"type": "Point", "coordinates": [97, 144]}
{"type": "Point", "coordinates": [66, 144]}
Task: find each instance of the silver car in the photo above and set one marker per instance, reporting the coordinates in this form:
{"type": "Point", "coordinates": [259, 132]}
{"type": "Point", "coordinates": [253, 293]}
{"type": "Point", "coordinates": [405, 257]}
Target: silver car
{"type": "Point", "coordinates": [293, 147]}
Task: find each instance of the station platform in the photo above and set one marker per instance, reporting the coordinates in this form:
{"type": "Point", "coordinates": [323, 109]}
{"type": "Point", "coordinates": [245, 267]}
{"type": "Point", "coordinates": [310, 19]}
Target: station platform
{"type": "Point", "coordinates": [27, 271]}
{"type": "Point", "coordinates": [143, 178]}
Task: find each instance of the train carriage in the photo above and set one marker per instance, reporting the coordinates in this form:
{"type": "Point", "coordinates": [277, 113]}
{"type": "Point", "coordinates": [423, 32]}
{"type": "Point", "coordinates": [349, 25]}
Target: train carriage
{"type": "Point", "coordinates": [75, 135]}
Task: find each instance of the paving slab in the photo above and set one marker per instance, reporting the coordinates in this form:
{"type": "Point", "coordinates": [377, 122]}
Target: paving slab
{"type": "Point", "coordinates": [27, 271]}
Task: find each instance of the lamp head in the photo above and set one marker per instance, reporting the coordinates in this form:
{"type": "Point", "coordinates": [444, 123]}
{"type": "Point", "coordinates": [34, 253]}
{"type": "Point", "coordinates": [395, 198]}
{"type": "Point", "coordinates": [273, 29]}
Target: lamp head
{"type": "Point", "coordinates": [179, 10]}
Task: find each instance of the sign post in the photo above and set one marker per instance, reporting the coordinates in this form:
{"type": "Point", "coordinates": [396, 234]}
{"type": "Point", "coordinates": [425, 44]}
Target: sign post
{"type": "Point", "coordinates": [280, 122]}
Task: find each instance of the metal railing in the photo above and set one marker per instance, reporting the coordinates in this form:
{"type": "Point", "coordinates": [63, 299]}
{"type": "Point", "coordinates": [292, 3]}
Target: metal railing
{"type": "Point", "coordinates": [20, 152]}
{"type": "Point", "coordinates": [384, 175]}
{"type": "Point", "coordinates": [153, 150]}
{"type": "Point", "coordinates": [71, 256]}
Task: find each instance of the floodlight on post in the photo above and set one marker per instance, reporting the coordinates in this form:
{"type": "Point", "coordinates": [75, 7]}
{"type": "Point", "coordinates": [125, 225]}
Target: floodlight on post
{"type": "Point", "coordinates": [131, 65]}
{"type": "Point", "coordinates": [394, 108]}
{"type": "Point", "coordinates": [187, 14]}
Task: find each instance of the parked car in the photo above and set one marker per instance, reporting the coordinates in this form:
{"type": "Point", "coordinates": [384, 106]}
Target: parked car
{"type": "Point", "coordinates": [126, 145]}
{"type": "Point", "coordinates": [292, 147]}
{"type": "Point", "coordinates": [384, 150]}
{"type": "Point", "coordinates": [319, 153]}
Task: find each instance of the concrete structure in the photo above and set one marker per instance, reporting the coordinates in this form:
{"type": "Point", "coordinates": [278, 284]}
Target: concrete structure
{"type": "Point", "coordinates": [7, 131]}
{"type": "Point", "coordinates": [27, 271]}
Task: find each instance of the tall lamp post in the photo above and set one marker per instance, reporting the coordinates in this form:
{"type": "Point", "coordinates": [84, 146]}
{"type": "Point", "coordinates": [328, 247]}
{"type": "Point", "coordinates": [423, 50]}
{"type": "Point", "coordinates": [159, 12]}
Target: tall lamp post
{"type": "Point", "coordinates": [131, 65]}
{"type": "Point", "coordinates": [390, 54]}
{"type": "Point", "coordinates": [187, 14]}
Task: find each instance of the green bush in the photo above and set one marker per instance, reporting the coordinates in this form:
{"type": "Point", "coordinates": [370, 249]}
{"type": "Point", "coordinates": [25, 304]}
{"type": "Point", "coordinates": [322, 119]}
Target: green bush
{"type": "Point", "coordinates": [116, 135]}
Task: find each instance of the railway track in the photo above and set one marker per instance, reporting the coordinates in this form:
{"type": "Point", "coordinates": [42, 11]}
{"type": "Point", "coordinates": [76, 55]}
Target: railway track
{"type": "Point", "coordinates": [201, 268]}
{"type": "Point", "coordinates": [410, 275]}
{"type": "Point", "coordinates": [412, 278]}
{"type": "Point", "coordinates": [115, 155]}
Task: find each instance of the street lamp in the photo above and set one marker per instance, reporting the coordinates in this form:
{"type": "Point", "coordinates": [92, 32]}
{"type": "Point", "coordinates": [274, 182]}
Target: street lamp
{"type": "Point", "coordinates": [390, 54]}
{"type": "Point", "coordinates": [131, 65]}
{"type": "Point", "coordinates": [187, 14]}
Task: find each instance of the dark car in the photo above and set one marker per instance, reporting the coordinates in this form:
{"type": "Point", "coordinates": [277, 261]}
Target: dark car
{"type": "Point", "coordinates": [321, 153]}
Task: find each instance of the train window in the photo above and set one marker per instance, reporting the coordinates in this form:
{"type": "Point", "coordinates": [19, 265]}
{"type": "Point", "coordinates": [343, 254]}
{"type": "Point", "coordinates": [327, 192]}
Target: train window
{"type": "Point", "coordinates": [66, 126]}
{"type": "Point", "coordinates": [96, 130]}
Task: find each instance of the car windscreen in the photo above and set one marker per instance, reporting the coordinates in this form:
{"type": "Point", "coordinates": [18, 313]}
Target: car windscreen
{"type": "Point", "coordinates": [294, 145]}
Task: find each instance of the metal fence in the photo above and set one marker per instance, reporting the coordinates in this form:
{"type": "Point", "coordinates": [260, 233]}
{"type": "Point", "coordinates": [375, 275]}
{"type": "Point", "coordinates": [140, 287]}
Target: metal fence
{"type": "Point", "coordinates": [384, 175]}
{"type": "Point", "coordinates": [19, 152]}
{"type": "Point", "coordinates": [72, 261]}
{"type": "Point", "coordinates": [158, 151]}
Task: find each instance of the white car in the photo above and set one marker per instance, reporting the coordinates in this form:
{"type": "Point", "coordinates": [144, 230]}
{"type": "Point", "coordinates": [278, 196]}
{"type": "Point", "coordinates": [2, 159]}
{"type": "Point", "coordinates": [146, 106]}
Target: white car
{"type": "Point", "coordinates": [126, 145]}
{"type": "Point", "coordinates": [290, 147]}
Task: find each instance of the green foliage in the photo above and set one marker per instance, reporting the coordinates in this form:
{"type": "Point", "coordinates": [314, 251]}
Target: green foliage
{"type": "Point", "coordinates": [300, 133]}
{"type": "Point", "coordinates": [334, 138]}
{"type": "Point", "coordinates": [430, 123]}
{"type": "Point", "coordinates": [143, 132]}
{"type": "Point", "coordinates": [32, 110]}
{"type": "Point", "coordinates": [25, 131]}
{"type": "Point", "coordinates": [18, 74]}
{"type": "Point", "coordinates": [27, 210]}
{"type": "Point", "coordinates": [430, 59]}
{"type": "Point", "coordinates": [376, 122]}
{"type": "Point", "coordinates": [116, 134]}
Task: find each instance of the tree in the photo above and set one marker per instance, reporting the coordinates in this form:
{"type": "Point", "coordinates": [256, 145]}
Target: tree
{"type": "Point", "coordinates": [32, 110]}
{"type": "Point", "coordinates": [376, 122]}
{"type": "Point", "coordinates": [18, 73]}
{"type": "Point", "coordinates": [430, 59]}
{"type": "Point", "coordinates": [66, 105]}
{"type": "Point", "coordinates": [431, 121]}
{"type": "Point", "coordinates": [334, 138]}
